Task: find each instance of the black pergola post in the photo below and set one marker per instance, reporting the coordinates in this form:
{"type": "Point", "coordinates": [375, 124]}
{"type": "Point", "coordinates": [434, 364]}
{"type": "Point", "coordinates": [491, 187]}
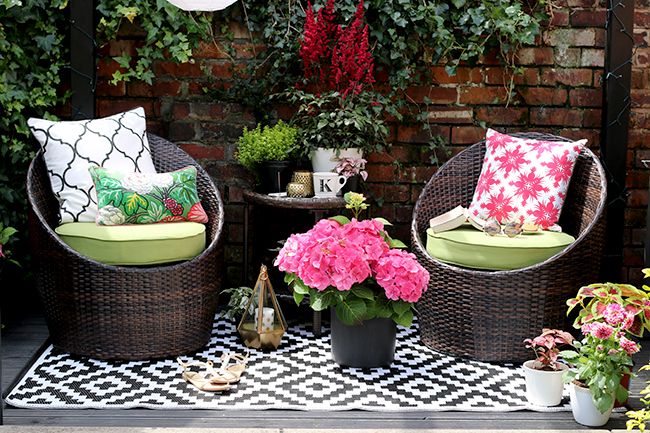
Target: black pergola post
{"type": "Point", "coordinates": [614, 133]}
{"type": "Point", "coordinates": [83, 79]}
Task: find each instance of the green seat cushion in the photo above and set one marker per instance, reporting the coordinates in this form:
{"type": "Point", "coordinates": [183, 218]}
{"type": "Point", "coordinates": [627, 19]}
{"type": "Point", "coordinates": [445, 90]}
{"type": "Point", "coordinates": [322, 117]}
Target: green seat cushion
{"type": "Point", "coordinates": [468, 247]}
{"type": "Point", "coordinates": [135, 244]}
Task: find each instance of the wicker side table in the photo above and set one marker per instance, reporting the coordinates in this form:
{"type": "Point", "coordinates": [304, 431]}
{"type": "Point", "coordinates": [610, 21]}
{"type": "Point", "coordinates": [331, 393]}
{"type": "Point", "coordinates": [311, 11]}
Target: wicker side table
{"type": "Point", "coordinates": [315, 205]}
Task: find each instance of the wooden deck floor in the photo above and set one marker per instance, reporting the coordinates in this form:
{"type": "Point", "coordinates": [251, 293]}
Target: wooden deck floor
{"type": "Point", "coordinates": [23, 337]}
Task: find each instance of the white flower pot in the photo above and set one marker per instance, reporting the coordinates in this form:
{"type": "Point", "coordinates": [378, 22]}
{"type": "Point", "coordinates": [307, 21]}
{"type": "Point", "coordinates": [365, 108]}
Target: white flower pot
{"type": "Point", "coordinates": [327, 160]}
{"type": "Point", "coordinates": [584, 410]}
{"type": "Point", "coordinates": [544, 388]}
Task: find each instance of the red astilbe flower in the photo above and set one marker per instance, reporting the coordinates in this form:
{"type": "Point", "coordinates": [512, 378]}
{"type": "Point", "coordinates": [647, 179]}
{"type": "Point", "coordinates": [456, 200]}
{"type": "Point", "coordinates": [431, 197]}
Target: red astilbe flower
{"type": "Point", "coordinates": [316, 45]}
{"type": "Point", "coordinates": [352, 64]}
{"type": "Point", "coordinates": [333, 57]}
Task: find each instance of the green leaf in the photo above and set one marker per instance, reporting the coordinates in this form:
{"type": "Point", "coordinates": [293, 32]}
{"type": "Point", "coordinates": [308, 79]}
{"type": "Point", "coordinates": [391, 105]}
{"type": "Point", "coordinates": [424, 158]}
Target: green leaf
{"type": "Point", "coordinates": [362, 292]}
{"type": "Point", "coordinates": [405, 319]}
{"type": "Point", "coordinates": [351, 311]}
{"type": "Point", "coordinates": [320, 300]}
{"type": "Point", "coordinates": [132, 201]}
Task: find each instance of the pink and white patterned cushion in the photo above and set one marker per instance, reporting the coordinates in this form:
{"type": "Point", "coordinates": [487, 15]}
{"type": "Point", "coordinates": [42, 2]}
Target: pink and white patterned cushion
{"type": "Point", "coordinates": [524, 180]}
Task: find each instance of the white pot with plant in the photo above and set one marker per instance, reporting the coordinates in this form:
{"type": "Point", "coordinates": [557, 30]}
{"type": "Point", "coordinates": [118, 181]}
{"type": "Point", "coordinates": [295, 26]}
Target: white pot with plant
{"type": "Point", "coordinates": [353, 169]}
{"type": "Point", "coordinates": [601, 360]}
{"type": "Point", "coordinates": [543, 375]}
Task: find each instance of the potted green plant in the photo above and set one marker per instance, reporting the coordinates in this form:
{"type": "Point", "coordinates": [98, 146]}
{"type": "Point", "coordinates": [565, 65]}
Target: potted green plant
{"type": "Point", "coordinates": [601, 360]}
{"type": "Point", "coordinates": [362, 275]}
{"type": "Point", "coordinates": [239, 297]}
{"type": "Point", "coordinates": [353, 169]}
{"type": "Point", "coordinates": [543, 375]}
{"type": "Point", "coordinates": [338, 113]}
{"type": "Point", "coordinates": [270, 153]}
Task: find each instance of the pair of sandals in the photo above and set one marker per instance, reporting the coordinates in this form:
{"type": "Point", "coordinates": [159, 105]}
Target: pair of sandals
{"type": "Point", "coordinates": [215, 380]}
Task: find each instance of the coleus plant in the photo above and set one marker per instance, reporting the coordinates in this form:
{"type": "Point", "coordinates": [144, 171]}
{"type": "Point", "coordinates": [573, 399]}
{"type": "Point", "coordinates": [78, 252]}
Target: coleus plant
{"type": "Point", "coordinates": [594, 299]}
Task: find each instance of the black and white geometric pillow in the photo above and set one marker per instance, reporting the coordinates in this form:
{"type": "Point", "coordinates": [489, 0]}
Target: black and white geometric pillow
{"type": "Point", "coordinates": [69, 147]}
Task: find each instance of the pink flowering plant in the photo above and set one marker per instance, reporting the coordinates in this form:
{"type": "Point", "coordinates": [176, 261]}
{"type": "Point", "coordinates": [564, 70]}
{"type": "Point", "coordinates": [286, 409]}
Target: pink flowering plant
{"type": "Point", "coordinates": [546, 348]}
{"type": "Point", "coordinates": [349, 167]}
{"type": "Point", "coordinates": [594, 299]}
{"type": "Point", "coordinates": [603, 356]}
{"type": "Point", "coordinates": [354, 266]}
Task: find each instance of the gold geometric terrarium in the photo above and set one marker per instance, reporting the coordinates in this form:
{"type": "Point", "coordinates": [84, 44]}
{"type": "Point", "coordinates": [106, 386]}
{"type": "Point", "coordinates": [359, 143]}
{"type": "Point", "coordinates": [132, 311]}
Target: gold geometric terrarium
{"type": "Point", "coordinates": [262, 325]}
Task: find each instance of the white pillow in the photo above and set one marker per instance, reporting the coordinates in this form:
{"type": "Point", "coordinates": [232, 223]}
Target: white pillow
{"type": "Point", "coordinates": [118, 142]}
{"type": "Point", "coordinates": [524, 180]}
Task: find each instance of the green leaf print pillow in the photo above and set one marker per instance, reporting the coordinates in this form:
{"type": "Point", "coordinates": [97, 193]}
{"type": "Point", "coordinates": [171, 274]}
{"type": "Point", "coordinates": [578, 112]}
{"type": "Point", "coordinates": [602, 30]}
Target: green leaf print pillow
{"type": "Point", "coordinates": [146, 198]}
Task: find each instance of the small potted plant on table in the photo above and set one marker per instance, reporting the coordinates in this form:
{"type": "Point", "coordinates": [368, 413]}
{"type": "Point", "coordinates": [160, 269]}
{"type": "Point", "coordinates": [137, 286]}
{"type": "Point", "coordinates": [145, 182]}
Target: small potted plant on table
{"type": "Point", "coordinates": [544, 374]}
{"type": "Point", "coordinates": [270, 153]}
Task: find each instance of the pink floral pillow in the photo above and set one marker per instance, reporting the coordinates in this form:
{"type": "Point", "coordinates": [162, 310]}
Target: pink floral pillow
{"type": "Point", "coordinates": [524, 180]}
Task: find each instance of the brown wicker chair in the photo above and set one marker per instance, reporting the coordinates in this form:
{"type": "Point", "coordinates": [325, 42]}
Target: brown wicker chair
{"type": "Point", "coordinates": [120, 312]}
{"type": "Point", "coordinates": [486, 315]}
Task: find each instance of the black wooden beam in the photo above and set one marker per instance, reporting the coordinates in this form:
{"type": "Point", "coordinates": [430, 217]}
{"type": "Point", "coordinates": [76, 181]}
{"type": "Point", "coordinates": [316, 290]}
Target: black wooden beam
{"type": "Point", "coordinates": [614, 131]}
{"type": "Point", "coordinates": [83, 67]}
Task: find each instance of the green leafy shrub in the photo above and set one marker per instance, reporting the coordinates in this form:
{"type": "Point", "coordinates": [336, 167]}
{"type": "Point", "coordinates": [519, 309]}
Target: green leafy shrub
{"type": "Point", "coordinates": [276, 143]}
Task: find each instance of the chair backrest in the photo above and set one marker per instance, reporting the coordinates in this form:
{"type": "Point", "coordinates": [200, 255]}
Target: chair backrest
{"type": "Point", "coordinates": [454, 184]}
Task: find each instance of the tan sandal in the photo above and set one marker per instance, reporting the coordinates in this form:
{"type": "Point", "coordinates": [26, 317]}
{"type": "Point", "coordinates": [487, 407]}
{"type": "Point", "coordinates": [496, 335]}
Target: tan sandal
{"type": "Point", "coordinates": [200, 381]}
{"type": "Point", "coordinates": [238, 368]}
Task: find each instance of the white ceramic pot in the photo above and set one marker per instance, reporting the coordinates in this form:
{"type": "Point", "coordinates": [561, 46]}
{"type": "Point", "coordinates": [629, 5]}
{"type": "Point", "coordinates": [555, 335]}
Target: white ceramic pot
{"type": "Point", "coordinates": [584, 410]}
{"type": "Point", "coordinates": [544, 388]}
{"type": "Point", "coordinates": [326, 159]}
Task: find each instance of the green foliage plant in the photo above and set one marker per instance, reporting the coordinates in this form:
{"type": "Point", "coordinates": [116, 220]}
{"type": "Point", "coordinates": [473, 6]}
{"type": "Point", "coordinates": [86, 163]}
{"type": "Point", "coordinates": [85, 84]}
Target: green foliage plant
{"type": "Point", "coordinates": [268, 143]}
{"type": "Point", "coordinates": [238, 301]}
{"type": "Point", "coordinates": [32, 60]}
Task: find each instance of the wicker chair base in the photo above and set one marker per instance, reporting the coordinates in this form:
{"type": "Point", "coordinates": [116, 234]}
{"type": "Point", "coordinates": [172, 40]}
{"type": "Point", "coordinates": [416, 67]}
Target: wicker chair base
{"type": "Point", "coordinates": [486, 315]}
{"type": "Point", "coordinates": [120, 312]}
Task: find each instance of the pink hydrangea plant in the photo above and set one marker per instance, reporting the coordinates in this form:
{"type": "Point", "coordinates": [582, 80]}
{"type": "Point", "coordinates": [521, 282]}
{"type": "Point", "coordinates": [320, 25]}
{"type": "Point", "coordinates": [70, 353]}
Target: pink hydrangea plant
{"type": "Point", "coordinates": [341, 255]}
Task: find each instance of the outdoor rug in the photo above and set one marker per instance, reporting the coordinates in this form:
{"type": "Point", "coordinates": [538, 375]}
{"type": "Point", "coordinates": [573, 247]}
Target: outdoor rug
{"type": "Point", "coordinates": [298, 375]}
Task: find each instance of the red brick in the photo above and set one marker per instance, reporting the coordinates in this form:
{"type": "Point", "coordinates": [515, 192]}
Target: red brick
{"type": "Point", "coordinates": [641, 98]}
{"type": "Point", "coordinates": [483, 95]}
{"type": "Point", "coordinates": [467, 134]}
{"type": "Point", "coordinates": [181, 111]}
{"type": "Point", "coordinates": [555, 116]}
{"type": "Point", "coordinates": [108, 108]}
{"type": "Point", "coordinates": [642, 19]}
{"type": "Point", "coordinates": [570, 37]}
{"type": "Point", "coordinates": [601, 38]}
{"type": "Point", "coordinates": [208, 50]}
{"type": "Point", "coordinates": [570, 77]}
{"type": "Point", "coordinates": [593, 118]}
{"type": "Point", "coordinates": [560, 18]}
{"type": "Point", "coordinates": [181, 70]}
{"type": "Point", "coordinates": [450, 115]}
{"type": "Point", "coordinates": [139, 89]}
{"type": "Point", "coordinates": [201, 152]}
{"type": "Point", "coordinates": [637, 198]}
{"type": "Point", "coordinates": [236, 195]}
{"type": "Point", "coordinates": [638, 235]}
{"type": "Point", "coordinates": [380, 173]}
{"type": "Point", "coordinates": [595, 57]}
{"type": "Point", "coordinates": [498, 76]}
{"type": "Point", "coordinates": [397, 193]}
{"type": "Point", "coordinates": [535, 56]}
{"type": "Point", "coordinates": [403, 154]}
{"type": "Point", "coordinates": [438, 95]}
{"type": "Point", "coordinates": [585, 3]}
{"type": "Point", "coordinates": [387, 212]}
{"type": "Point", "coordinates": [637, 179]}
{"type": "Point", "coordinates": [502, 115]}
{"type": "Point", "coordinates": [131, 29]}
{"type": "Point", "coordinates": [248, 51]}
{"type": "Point", "coordinates": [403, 214]}
{"type": "Point", "coordinates": [106, 70]}
{"type": "Point", "coordinates": [416, 174]}
{"type": "Point", "coordinates": [568, 58]}
{"type": "Point", "coordinates": [221, 71]}
{"type": "Point", "coordinates": [586, 98]}
{"type": "Point", "coordinates": [543, 96]}
{"type": "Point", "coordinates": [180, 131]}
{"type": "Point", "coordinates": [414, 134]}
{"type": "Point", "coordinates": [588, 18]}
{"type": "Point", "coordinates": [105, 88]}
{"type": "Point", "coordinates": [463, 76]}
{"type": "Point", "coordinates": [166, 88]}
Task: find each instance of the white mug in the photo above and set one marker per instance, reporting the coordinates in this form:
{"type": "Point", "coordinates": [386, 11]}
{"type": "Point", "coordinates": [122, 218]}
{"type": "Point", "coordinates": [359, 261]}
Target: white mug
{"type": "Point", "coordinates": [327, 184]}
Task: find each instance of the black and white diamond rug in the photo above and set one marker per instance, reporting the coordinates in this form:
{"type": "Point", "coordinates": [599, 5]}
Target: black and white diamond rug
{"type": "Point", "coordinates": [298, 375]}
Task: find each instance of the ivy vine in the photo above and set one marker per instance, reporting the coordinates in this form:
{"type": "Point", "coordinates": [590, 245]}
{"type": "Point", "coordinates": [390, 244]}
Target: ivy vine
{"type": "Point", "coordinates": [32, 60]}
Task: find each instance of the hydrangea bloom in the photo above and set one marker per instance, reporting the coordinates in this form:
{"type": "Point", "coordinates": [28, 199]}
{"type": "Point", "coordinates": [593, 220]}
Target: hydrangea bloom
{"type": "Point", "coordinates": [331, 254]}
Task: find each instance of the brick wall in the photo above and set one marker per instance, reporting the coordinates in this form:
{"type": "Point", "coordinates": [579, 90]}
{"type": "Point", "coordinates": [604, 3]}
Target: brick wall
{"type": "Point", "coordinates": [559, 92]}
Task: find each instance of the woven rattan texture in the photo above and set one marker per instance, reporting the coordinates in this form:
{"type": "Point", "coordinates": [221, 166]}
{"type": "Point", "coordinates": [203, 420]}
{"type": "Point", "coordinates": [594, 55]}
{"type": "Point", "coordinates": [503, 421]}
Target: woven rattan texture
{"type": "Point", "coordinates": [486, 315]}
{"type": "Point", "coordinates": [119, 312]}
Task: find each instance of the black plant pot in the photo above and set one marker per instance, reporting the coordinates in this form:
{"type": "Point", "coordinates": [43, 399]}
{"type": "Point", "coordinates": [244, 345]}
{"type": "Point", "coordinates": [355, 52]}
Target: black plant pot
{"type": "Point", "coordinates": [352, 185]}
{"type": "Point", "coordinates": [368, 345]}
{"type": "Point", "coordinates": [275, 175]}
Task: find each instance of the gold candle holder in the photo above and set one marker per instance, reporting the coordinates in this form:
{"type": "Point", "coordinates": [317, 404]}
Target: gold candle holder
{"type": "Point", "coordinates": [305, 177]}
{"type": "Point", "coordinates": [297, 190]}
